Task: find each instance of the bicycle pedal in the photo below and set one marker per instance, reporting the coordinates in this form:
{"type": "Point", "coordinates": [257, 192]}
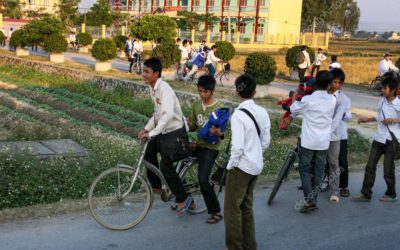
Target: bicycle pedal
{"type": "Point", "coordinates": [165, 195]}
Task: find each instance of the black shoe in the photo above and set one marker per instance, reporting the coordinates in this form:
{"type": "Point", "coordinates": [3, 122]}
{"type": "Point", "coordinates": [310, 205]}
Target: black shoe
{"type": "Point", "coordinates": [308, 207]}
{"type": "Point", "coordinates": [300, 187]}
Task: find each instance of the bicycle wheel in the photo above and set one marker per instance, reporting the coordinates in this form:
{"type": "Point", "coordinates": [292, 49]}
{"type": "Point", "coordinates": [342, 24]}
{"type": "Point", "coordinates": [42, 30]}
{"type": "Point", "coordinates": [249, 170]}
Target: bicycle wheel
{"type": "Point", "coordinates": [189, 177]}
{"type": "Point", "coordinates": [376, 87]}
{"type": "Point", "coordinates": [224, 78]}
{"type": "Point", "coordinates": [111, 202]}
{"type": "Point", "coordinates": [283, 173]}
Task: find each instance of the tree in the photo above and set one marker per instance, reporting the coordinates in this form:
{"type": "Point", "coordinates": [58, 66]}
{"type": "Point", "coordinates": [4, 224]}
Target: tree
{"type": "Point", "coordinates": [347, 17]}
{"type": "Point", "coordinates": [68, 11]}
{"type": "Point", "coordinates": [37, 14]}
{"type": "Point", "coordinates": [39, 30]}
{"type": "Point", "coordinates": [99, 14]}
{"type": "Point", "coordinates": [12, 9]}
{"type": "Point", "coordinates": [154, 27]}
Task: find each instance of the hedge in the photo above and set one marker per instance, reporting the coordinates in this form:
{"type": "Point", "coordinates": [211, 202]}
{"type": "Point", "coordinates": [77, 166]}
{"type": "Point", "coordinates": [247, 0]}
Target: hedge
{"type": "Point", "coordinates": [55, 43]}
{"type": "Point", "coordinates": [84, 39]}
{"type": "Point", "coordinates": [262, 66]}
{"type": "Point", "coordinates": [104, 50]}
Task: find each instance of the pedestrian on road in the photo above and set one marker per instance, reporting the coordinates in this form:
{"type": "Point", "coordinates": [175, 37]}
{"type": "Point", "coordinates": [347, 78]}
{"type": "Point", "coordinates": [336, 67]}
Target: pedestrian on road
{"type": "Point", "coordinates": [317, 110]}
{"type": "Point", "coordinates": [250, 138]}
{"type": "Point", "coordinates": [388, 119]}
{"type": "Point", "coordinates": [130, 52]}
{"type": "Point", "coordinates": [319, 58]}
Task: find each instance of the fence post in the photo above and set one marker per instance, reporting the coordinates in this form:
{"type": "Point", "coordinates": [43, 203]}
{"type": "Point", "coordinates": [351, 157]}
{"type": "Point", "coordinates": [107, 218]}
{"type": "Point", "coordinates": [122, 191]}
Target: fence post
{"type": "Point", "coordinates": [327, 36]}
{"type": "Point", "coordinates": [103, 31]}
{"type": "Point", "coordinates": [192, 35]}
{"type": "Point", "coordinates": [123, 31]}
{"type": "Point", "coordinates": [252, 38]}
{"type": "Point", "coordinates": [208, 36]}
{"type": "Point", "coordinates": [223, 35]}
{"type": "Point", "coordinates": [1, 20]}
{"type": "Point", "coordinates": [303, 39]}
{"type": "Point", "coordinates": [83, 28]}
{"type": "Point", "coordinates": [237, 38]}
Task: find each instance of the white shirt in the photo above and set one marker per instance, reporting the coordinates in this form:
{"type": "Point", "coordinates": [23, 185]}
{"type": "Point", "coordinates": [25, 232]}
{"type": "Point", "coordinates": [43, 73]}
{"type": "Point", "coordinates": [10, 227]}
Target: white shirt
{"type": "Point", "coordinates": [184, 54]}
{"type": "Point", "coordinates": [317, 110]}
{"type": "Point", "coordinates": [346, 118]}
{"type": "Point", "coordinates": [340, 113]}
{"type": "Point", "coordinates": [307, 61]}
{"type": "Point", "coordinates": [211, 58]}
{"type": "Point", "coordinates": [334, 65]}
{"type": "Point", "coordinates": [386, 66]}
{"type": "Point", "coordinates": [138, 46]}
{"type": "Point", "coordinates": [391, 110]}
{"type": "Point", "coordinates": [168, 114]}
{"type": "Point", "coordinates": [319, 58]}
{"type": "Point", "coordinates": [247, 147]}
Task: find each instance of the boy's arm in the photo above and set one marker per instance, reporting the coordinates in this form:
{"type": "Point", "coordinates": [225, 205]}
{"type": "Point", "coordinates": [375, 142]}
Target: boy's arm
{"type": "Point", "coordinates": [167, 111]}
{"type": "Point", "coordinates": [266, 136]}
{"type": "Point", "coordinates": [297, 108]}
{"type": "Point", "coordinates": [337, 118]}
{"type": "Point", "coordinates": [347, 114]}
{"type": "Point", "coordinates": [193, 120]}
{"type": "Point", "coordinates": [237, 144]}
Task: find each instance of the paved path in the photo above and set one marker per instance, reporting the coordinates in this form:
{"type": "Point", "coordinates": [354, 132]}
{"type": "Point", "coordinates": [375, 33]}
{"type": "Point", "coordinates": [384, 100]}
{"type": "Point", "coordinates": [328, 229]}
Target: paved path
{"type": "Point", "coordinates": [360, 99]}
{"type": "Point", "coordinates": [347, 225]}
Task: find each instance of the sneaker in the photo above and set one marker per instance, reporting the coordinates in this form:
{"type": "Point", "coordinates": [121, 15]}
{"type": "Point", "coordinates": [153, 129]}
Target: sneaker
{"type": "Point", "coordinates": [334, 199]}
{"type": "Point", "coordinates": [386, 198]}
{"type": "Point", "coordinates": [360, 197]}
{"type": "Point", "coordinates": [308, 207]}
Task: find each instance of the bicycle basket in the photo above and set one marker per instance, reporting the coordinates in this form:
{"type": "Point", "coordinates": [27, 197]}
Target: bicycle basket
{"type": "Point", "coordinates": [227, 67]}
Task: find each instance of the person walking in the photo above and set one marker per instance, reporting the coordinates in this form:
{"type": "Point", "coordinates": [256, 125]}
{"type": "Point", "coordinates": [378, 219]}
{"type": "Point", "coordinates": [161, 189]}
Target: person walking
{"type": "Point", "coordinates": [304, 63]}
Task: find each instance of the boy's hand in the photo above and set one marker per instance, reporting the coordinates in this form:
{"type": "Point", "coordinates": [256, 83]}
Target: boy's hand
{"type": "Point", "coordinates": [363, 120]}
{"type": "Point", "coordinates": [216, 131]}
{"type": "Point", "coordinates": [388, 121]}
{"type": "Point", "coordinates": [189, 121]}
{"type": "Point", "coordinates": [143, 133]}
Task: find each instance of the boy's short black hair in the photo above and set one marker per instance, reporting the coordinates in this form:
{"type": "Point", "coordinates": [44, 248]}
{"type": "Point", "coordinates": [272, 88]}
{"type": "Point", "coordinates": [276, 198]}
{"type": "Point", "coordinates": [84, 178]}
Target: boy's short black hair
{"type": "Point", "coordinates": [190, 42]}
{"type": "Point", "coordinates": [338, 74]}
{"type": "Point", "coordinates": [155, 64]}
{"type": "Point", "coordinates": [178, 40]}
{"type": "Point", "coordinates": [319, 49]}
{"type": "Point", "coordinates": [324, 78]}
{"type": "Point", "coordinates": [205, 48]}
{"type": "Point", "coordinates": [303, 48]}
{"type": "Point", "coordinates": [207, 82]}
{"type": "Point", "coordinates": [184, 42]}
{"type": "Point", "coordinates": [391, 80]}
{"type": "Point", "coordinates": [213, 47]}
{"type": "Point", "coordinates": [245, 86]}
{"type": "Point", "coordinates": [334, 58]}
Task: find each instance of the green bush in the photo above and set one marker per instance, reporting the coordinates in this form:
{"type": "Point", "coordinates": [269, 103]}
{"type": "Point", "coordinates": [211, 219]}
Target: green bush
{"type": "Point", "coordinates": [225, 50]}
{"type": "Point", "coordinates": [168, 52]}
{"type": "Point", "coordinates": [39, 30]}
{"type": "Point", "coordinates": [84, 39]}
{"type": "Point", "coordinates": [2, 37]}
{"type": "Point", "coordinates": [104, 50]}
{"type": "Point", "coordinates": [56, 43]}
{"type": "Point", "coordinates": [19, 38]}
{"type": "Point", "coordinates": [262, 66]}
{"type": "Point", "coordinates": [120, 41]}
{"type": "Point", "coordinates": [293, 53]}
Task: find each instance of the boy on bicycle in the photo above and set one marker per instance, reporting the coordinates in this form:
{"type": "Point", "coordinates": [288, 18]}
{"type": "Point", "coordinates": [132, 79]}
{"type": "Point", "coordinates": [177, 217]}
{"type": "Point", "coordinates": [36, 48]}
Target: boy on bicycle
{"type": "Point", "coordinates": [317, 110]}
{"type": "Point", "coordinates": [206, 152]}
{"type": "Point", "coordinates": [388, 119]}
{"type": "Point", "coordinates": [212, 60]}
{"type": "Point", "coordinates": [167, 119]}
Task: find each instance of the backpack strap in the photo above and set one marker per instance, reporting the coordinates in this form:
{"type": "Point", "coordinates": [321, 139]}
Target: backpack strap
{"type": "Point", "coordinates": [252, 118]}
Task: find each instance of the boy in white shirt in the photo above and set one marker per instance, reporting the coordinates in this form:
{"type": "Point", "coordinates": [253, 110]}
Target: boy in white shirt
{"type": "Point", "coordinates": [388, 119]}
{"type": "Point", "coordinates": [317, 110]}
{"type": "Point", "coordinates": [319, 58]}
{"type": "Point", "coordinates": [211, 60]}
{"type": "Point", "coordinates": [334, 63]}
{"type": "Point", "coordinates": [304, 63]}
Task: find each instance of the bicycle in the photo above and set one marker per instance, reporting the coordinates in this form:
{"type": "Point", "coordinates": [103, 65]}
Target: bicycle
{"type": "Point", "coordinates": [121, 197]}
{"type": "Point", "coordinates": [375, 87]}
{"type": "Point", "coordinates": [287, 166]}
{"type": "Point", "coordinates": [137, 64]}
{"type": "Point", "coordinates": [223, 75]}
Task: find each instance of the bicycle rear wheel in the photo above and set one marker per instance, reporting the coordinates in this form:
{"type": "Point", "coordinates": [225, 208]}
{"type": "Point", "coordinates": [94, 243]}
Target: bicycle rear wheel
{"type": "Point", "coordinates": [111, 202]}
{"type": "Point", "coordinates": [376, 87]}
{"type": "Point", "coordinates": [224, 78]}
{"type": "Point", "coordinates": [189, 177]}
{"type": "Point", "coordinates": [283, 173]}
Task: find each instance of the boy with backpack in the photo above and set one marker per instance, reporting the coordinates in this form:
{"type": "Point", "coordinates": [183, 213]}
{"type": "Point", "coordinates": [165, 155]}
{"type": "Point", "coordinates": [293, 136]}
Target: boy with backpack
{"type": "Point", "coordinates": [208, 143]}
{"type": "Point", "coordinates": [388, 134]}
{"type": "Point", "coordinates": [303, 61]}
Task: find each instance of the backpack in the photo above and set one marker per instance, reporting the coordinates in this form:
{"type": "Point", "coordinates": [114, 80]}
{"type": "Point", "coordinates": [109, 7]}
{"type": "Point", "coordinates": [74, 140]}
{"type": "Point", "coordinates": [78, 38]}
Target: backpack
{"type": "Point", "coordinates": [301, 58]}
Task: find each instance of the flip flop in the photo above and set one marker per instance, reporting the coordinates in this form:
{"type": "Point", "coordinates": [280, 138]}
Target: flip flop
{"type": "Point", "coordinates": [185, 208]}
{"type": "Point", "coordinates": [214, 219]}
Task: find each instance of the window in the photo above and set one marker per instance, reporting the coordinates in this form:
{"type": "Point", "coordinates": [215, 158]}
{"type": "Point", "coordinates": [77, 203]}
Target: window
{"type": "Point", "coordinates": [227, 3]}
{"type": "Point", "coordinates": [260, 29]}
{"type": "Point", "coordinates": [169, 3]}
{"type": "Point", "coordinates": [242, 28]}
{"type": "Point", "coordinates": [197, 2]}
{"type": "Point", "coordinates": [244, 3]}
{"type": "Point", "coordinates": [157, 3]}
{"type": "Point", "coordinates": [144, 3]}
{"type": "Point", "coordinates": [262, 3]}
{"type": "Point", "coordinates": [211, 3]}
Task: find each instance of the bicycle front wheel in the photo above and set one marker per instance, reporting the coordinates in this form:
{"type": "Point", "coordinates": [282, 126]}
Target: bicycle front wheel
{"type": "Point", "coordinates": [115, 202]}
{"type": "Point", "coordinates": [283, 173]}
{"type": "Point", "coordinates": [376, 87]}
{"type": "Point", "coordinates": [224, 79]}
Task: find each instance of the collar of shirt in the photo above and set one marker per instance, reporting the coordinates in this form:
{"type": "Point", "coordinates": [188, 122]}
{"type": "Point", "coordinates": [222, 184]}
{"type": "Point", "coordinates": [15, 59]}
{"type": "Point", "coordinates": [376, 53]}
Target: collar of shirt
{"type": "Point", "coordinates": [159, 80]}
{"type": "Point", "coordinates": [245, 103]}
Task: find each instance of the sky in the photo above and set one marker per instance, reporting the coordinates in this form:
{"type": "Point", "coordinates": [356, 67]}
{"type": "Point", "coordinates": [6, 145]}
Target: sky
{"type": "Point", "coordinates": [376, 15]}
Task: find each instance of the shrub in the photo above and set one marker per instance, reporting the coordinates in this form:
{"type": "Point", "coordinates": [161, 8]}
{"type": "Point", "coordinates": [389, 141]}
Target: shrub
{"type": "Point", "coordinates": [120, 41]}
{"type": "Point", "coordinates": [2, 37]}
{"type": "Point", "coordinates": [153, 27]}
{"type": "Point", "coordinates": [84, 39]}
{"type": "Point", "coordinates": [225, 50]}
{"type": "Point", "coordinates": [19, 38]}
{"type": "Point", "coordinates": [168, 52]}
{"type": "Point", "coordinates": [40, 29]}
{"type": "Point", "coordinates": [262, 66]}
{"type": "Point", "coordinates": [293, 53]}
{"type": "Point", "coordinates": [104, 50]}
{"type": "Point", "coordinates": [56, 43]}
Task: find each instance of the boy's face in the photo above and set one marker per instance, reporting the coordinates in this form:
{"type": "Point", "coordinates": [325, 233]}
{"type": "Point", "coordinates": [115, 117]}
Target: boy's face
{"type": "Point", "coordinates": [387, 92]}
{"type": "Point", "coordinates": [149, 76]}
{"type": "Point", "coordinates": [205, 94]}
{"type": "Point", "coordinates": [336, 85]}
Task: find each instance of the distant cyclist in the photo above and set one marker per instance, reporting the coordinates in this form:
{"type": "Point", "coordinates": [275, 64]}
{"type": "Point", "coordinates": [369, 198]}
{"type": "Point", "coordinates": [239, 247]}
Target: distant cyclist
{"type": "Point", "coordinates": [387, 65]}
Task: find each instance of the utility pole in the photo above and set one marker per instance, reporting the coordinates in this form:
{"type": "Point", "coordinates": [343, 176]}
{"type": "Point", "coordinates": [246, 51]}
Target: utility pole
{"type": "Point", "coordinates": [229, 25]}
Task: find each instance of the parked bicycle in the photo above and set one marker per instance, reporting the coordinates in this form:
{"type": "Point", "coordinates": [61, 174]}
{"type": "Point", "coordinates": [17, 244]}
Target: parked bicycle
{"type": "Point", "coordinates": [120, 197]}
{"type": "Point", "coordinates": [137, 65]}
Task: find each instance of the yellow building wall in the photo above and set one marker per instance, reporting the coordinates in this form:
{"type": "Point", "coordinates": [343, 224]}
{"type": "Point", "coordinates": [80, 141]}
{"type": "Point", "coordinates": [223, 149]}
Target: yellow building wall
{"type": "Point", "coordinates": [285, 20]}
{"type": "Point", "coordinates": [49, 6]}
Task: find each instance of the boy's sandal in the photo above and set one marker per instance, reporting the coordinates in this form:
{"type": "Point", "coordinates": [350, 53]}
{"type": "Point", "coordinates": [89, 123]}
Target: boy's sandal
{"type": "Point", "coordinates": [386, 198]}
{"type": "Point", "coordinates": [344, 192]}
{"type": "Point", "coordinates": [174, 206]}
{"type": "Point", "coordinates": [334, 199]}
{"type": "Point", "coordinates": [185, 208]}
{"type": "Point", "coordinates": [214, 219]}
{"type": "Point", "coordinates": [308, 208]}
{"type": "Point", "coordinates": [360, 197]}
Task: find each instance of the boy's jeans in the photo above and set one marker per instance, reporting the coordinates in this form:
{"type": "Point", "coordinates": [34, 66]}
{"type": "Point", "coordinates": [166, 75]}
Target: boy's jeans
{"type": "Point", "coordinates": [311, 168]}
{"type": "Point", "coordinates": [334, 169]}
{"type": "Point", "coordinates": [211, 69]}
{"type": "Point", "coordinates": [344, 165]}
{"type": "Point", "coordinates": [377, 150]}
